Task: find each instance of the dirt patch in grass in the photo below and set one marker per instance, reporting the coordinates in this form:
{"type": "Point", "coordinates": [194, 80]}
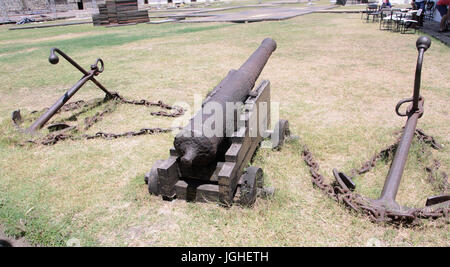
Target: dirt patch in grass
{"type": "Point", "coordinates": [7, 241]}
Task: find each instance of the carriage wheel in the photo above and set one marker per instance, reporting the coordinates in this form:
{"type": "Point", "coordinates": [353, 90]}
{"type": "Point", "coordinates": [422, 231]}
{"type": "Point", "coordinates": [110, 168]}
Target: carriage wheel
{"type": "Point", "coordinates": [151, 178]}
{"type": "Point", "coordinates": [251, 179]}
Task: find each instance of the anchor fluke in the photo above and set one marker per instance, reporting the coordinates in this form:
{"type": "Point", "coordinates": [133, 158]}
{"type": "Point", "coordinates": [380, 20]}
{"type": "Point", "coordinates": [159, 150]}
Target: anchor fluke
{"type": "Point", "coordinates": [343, 180]}
{"type": "Point", "coordinates": [433, 200]}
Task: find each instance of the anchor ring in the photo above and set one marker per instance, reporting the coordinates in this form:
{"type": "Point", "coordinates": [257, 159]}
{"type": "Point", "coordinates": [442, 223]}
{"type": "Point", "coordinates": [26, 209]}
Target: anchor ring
{"type": "Point", "coordinates": [399, 104]}
{"type": "Point", "coordinates": [408, 110]}
{"type": "Point", "coordinates": [96, 68]}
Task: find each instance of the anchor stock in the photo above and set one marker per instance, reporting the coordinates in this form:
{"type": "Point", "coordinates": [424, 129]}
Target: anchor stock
{"type": "Point", "coordinates": [87, 75]}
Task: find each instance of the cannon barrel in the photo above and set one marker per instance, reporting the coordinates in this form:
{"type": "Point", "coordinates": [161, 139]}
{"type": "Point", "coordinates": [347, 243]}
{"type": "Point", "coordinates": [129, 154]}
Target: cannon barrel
{"type": "Point", "coordinates": [256, 62]}
{"type": "Point", "coordinates": [198, 148]}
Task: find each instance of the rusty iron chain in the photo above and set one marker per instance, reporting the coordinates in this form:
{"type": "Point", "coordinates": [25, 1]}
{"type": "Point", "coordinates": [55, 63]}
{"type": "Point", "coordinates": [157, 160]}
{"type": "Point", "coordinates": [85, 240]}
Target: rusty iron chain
{"type": "Point", "coordinates": [334, 190]}
{"type": "Point", "coordinates": [364, 205]}
{"type": "Point", "coordinates": [67, 133]}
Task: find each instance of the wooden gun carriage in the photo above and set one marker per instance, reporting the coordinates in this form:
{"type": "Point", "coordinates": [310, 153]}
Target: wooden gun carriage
{"type": "Point", "coordinates": [230, 179]}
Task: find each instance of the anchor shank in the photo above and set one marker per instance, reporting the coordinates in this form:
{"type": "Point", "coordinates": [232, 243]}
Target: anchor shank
{"type": "Point", "coordinates": [394, 176]}
{"type": "Point", "coordinates": [58, 104]}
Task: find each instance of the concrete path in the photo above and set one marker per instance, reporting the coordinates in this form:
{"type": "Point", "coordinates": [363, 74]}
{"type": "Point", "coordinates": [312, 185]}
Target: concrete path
{"type": "Point", "coordinates": [202, 11]}
{"type": "Point", "coordinates": [432, 27]}
{"type": "Point", "coordinates": [259, 14]}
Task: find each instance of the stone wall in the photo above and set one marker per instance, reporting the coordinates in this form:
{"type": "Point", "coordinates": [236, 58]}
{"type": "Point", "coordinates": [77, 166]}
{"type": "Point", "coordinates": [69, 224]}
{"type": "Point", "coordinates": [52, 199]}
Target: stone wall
{"type": "Point", "coordinates": [27, 6]}
{"type": "Point", "coordinates": [13, 5]}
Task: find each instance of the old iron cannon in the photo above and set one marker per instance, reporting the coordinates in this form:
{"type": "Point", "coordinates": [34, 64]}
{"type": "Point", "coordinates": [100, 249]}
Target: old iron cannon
{"type": "Point", "coordinates": [198, 150]}
{"type": "Point", "coordinates": [214, 167]}
{"type": "Point", "coordinates": [95, 70]}
{"type": "Point", "coordinates": [386, 202]}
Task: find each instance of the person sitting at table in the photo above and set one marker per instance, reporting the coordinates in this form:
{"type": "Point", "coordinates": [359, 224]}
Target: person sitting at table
{"type": "Point", "coordinates": [420, 5]}
{"type": "Point", "coordinates": [443, 7]}
{"type": "Point", "coordinates": [385, 4]}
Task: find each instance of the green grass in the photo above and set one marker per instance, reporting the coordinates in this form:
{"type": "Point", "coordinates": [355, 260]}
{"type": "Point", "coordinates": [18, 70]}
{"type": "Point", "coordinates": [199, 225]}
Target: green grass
{"type": "Point", "coordinates": [337, 80]}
